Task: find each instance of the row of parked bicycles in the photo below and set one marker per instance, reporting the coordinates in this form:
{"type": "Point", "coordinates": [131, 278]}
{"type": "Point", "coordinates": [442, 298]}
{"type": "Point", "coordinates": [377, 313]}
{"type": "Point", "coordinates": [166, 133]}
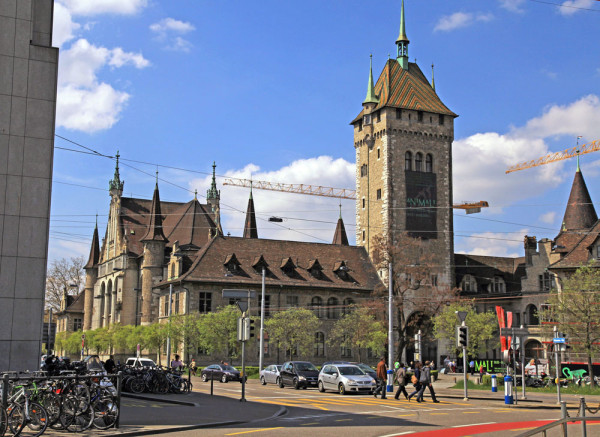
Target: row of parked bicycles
{"type": "Point", "coordinates": [32, 403]}
{"type": "Point", "coordinates": [158, 379]}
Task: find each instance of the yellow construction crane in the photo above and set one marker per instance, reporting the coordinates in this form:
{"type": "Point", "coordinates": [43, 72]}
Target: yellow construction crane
{"type": "Point", "coordinates": [339, 193]}
{"type": "Point", "coordinates": [594, 146]}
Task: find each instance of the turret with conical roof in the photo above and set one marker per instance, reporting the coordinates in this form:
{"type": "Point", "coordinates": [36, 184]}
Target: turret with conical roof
{"type": "Point", "coordinates": [402, 42]}
{"type": "Point", "coordinates": [155, 228]}
{"type": "Point", "coordinates": [371, 96]}
{"type": "Point", "coordinates": [91, 275]}
{"type": "Point", "coordinates": [250, 230]}
{"type": "Point", "coordinates": [340, 237]}
{"type": "Point", "coordinates": [580, 213]}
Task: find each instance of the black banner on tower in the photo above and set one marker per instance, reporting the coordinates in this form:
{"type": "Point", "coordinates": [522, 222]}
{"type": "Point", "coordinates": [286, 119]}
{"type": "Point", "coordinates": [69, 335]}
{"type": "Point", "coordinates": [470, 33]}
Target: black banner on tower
{"type": "Point", "coordinates": [421, 204]}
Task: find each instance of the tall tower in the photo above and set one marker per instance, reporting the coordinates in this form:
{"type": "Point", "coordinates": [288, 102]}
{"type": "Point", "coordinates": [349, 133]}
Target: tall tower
{"type": "Point", "coordinates": [403, 140]}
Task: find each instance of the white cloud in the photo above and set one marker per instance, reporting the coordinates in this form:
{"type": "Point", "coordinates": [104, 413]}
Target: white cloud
{"type": "Point", "coordinates": [548, 217]}
{"type": "Point", "coordinates": [512, 5]}
{"type": "Point", "coordinates": [169, 29]}
{"type": "Point", "coordinates": [64, 28]}
{"type": "Point", "coordinates": [552, 75]}
{"type": "Point", "coordinates": [312, 218]}
{"type": "Point", "coordinates": [493, 244]}
{"type": "Point", "coordinates": [97, 7]}
{"type": "Point", "coordinates": [83, 102]}
{"type": "Point", "coordinates": [460, 19]}
{"type": "Point", "coordinates": [571, 7]}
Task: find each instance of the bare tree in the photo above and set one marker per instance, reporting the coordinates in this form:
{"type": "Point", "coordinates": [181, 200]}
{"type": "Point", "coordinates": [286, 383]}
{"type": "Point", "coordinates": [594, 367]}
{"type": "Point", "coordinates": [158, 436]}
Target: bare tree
{"type": "Point", "coordinates": [62, 274]}
{"type": "Point", "coordinates": [417, 296]}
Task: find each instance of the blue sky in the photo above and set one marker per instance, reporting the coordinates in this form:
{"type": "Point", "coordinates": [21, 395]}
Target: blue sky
{"type": "Point", "coordinates": [266, 89]}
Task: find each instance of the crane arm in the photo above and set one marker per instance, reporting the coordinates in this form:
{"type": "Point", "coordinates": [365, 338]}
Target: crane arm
{"type": "Point", "coordinates": [594, 146]}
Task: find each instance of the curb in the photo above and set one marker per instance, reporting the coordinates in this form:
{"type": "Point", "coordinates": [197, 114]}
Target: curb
{"type": "Point", "coordinates": [178, 428]}
{"type": "Point", "coordinates": [166, 401]}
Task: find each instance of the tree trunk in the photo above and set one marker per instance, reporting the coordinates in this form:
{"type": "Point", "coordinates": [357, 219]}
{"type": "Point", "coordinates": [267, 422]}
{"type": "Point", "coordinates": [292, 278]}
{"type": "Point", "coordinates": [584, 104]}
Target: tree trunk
{"type": "Point", "coordinates": [591, 370]}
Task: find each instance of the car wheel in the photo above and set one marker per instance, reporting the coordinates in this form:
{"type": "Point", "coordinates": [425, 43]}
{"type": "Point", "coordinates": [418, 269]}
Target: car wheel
{"type": "Point", "coordinates": [280, 382]}
{"type": "Point", "coordinates": [223, 378]}
{"type": "Point", "coordinates": [342, 389]}
{"type": "Point", "coordinates": [262, 380]}
{"type": "Point", "coordinates": [296, 384]}
{"type": "Point", "coordinates": [321, 388]}
{"type": "Point", "coordinates": [204, 377]}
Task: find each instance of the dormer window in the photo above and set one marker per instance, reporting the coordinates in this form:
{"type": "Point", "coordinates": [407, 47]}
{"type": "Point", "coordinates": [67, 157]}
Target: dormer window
{"type": "Point", "coordinates": [341, 270]}
{"type": "Point", "coordinates": [498, 285]}
{"type": "Point", "coordinates": [315, 269]}
{"type": "Point", "coordinates": [259, 263]}
{"type": "Point", "coordinates": [367, 119]}
{"type": "Point", "coordinates": [469, 284]}
{"type": "Point", "coordinates": [231, 263]}
{"type": "Point", "coordinates": [287, 266]}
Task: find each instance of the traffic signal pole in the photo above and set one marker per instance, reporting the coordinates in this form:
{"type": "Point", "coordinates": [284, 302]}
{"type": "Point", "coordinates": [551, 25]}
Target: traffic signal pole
{"type": "Point", "coordinates": [466, 391]}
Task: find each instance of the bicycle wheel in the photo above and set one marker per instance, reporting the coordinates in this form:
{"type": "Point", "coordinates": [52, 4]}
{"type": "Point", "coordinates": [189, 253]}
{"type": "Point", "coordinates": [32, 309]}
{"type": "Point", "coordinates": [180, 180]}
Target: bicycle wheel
{"type": "Point", "coordinates": [106, 413]}
{"type": "Point", "coordinates": [3, 421]}
{"type": "Point", "coordinates": [137, 385]}
{"type": "Point", "coordinates": [82, 421]}
{"type": "Point", "coordinates": [51, 402]}
{"type": "Point", "coordinates": [32, 423]}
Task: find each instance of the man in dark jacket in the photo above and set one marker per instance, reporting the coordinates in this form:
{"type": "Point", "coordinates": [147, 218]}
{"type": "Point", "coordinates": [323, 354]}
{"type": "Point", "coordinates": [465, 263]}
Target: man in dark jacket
{"type": "Point", "coordinates": [400, 378]}
{"type": "Point", "coordinates": [381, 378]}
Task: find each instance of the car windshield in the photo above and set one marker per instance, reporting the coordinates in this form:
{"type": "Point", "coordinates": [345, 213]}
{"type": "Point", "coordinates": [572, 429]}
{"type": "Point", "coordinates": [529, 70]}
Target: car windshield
{"type": "Point", "coordinates": [147, 363]}
{"type": "Point", "coordinates": [278, 368]}
{"type": "Point", "coordinates": [303, 367]}
{"type": "Point", "coordinates": [365, 367]}
{"type": "Point", "coordinates": [230, 368]}
{"type": "Point", "coordinates": [350, 370]}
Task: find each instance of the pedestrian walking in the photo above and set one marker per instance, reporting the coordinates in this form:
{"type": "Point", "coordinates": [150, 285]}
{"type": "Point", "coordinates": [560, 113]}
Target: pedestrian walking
{"type": "Point", "coordinates": [401, 380]}
{"type": "Point", "coordinates": [481, 372]}
{"type": "Point", "coordinates": [472, 367]}
{"type": "Point", "coordinates": [426, 382]}
{"type": "Point", "coordinates": [415, 381]}
{"type": "Point", "coordinates": [381, 378]}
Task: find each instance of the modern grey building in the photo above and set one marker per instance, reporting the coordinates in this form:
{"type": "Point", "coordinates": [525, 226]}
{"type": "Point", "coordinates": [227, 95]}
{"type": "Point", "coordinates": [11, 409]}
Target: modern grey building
{"type": "Point", "coordinates": [28, 70]}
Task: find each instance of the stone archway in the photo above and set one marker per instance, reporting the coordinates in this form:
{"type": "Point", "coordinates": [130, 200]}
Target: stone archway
{"type": "Point", "coordinates": [534, 349]}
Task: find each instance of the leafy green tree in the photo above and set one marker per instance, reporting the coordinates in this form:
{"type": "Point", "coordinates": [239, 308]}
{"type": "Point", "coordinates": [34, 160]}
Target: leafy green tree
{"type": "Point", "coordinates": [293, 328]}
{"type": "Point", "coordinates": [482, 326]}
{"type": "Point", "coordinates": [155, 337]}
{"type": "Point", "coordinates": [185, 331]}
{"type": "Point", "coordinates": [217, 331]}
{"type": "Point", "coordinates": [121, 334]}
{"type": "Point", "coordinates": [358, 329]}
{"type": "Point", "coordinates": [576, 310]}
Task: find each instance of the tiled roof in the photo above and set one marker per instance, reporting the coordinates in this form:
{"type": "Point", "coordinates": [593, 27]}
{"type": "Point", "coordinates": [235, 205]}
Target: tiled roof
{"type": "Point", "coordinates": [580, 212]}
{"type": "Point", "coordinates": [75, 303]}
{"type": "Point", "coordinates": [579, 254]}
{"type": "Point", "coordinates": [485, 268]}
{"type": "Point", "coordinates": [340, 236]}
{"type": "Point", "coordinates": [209, 265]}
{"type": "Point", "coordinates": [178, 225]}
{"type": "Point", "coordinates": [407, 89]}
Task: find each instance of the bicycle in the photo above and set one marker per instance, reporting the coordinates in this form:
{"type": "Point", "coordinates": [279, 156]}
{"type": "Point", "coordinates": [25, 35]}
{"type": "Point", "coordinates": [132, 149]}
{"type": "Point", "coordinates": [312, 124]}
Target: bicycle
{"type": "Point", "coordinates": [24, 415]}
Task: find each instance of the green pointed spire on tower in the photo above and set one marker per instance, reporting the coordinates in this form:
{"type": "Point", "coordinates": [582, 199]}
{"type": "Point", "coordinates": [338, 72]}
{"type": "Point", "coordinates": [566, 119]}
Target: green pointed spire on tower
{"type": "Point", "coordinates": [212, 192]}
{"type": "Point", "coordinates": [116, 183]}
{"type": "Point", "coordinates": [402, 42]}
{"type": "Point", "coordinates": [371, 96]}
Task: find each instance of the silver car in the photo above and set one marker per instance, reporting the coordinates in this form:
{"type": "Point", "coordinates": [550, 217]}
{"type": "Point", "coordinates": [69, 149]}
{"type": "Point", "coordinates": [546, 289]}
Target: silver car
{"type": "Point", "coordinates": [345, 378]}
{"type": "Point", "coordinates": [270, 374]}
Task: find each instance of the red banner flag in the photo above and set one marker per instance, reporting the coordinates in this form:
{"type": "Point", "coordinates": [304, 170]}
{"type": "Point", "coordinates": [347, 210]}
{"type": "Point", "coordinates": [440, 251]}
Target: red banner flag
{"type": "Point", "coordinates": [501, 322]}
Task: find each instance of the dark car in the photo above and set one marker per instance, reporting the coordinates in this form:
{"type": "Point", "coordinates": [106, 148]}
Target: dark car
{"type": "Point", "coordinates": [367, 369]}
{"type": "Point", "coordinates": [221, 372]}
{"type": "Point", "coordinates": [299, 374]}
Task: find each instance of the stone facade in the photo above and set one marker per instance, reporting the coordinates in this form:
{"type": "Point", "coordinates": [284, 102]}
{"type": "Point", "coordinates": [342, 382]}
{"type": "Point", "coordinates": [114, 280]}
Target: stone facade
{"type": "Point", "coordinates": [28, 71]}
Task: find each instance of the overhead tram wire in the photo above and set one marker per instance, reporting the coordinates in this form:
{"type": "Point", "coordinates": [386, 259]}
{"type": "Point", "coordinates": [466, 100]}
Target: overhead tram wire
{"type": "Point", "coordinates": [561, 5]}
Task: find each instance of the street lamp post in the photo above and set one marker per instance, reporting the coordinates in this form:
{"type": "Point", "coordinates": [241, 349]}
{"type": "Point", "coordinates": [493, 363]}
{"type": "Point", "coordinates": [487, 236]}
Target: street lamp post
{"type": "Point", "coordinates": [262, 323]}
{"type": "Point", "coordinates": [390, 321]}
{"type": "Point", "coordinates": [169, 327]}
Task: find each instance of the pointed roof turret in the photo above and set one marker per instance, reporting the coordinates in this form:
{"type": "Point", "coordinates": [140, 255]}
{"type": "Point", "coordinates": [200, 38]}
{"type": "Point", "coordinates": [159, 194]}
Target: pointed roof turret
{"type": "Point", "coordinates": [212, 193]}
{"type": "Point", "coordinates": [116, 184]}
{"type": "Point", "coordinates": [580, 212]}
{"type": "Point", "coordinates": [340, 237]}
{"type": "Point", "coordinates": [94, 250]}
{"type": "Point", "coordinates": [155, 228]}
{"type": "Point", "coordinates": [371, 96]}
{"type": "Point", "coordinates": [250, 230]}
{"type": "Point", "coordinates": [402, 42]}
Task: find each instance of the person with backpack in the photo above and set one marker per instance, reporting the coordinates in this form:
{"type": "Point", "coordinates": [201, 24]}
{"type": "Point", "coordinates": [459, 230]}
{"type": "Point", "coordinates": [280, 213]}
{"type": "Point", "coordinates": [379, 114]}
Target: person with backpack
{"type": "Point", "coordinates": [425, 381]}
{"type": "Point", "coordinates": [414, 379]}
{"type": "Point", "coordinates": [401, 380]}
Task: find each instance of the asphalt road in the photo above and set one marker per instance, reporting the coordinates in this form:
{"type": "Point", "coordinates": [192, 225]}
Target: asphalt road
{"type": "Point", "coordinates": [314, 414]}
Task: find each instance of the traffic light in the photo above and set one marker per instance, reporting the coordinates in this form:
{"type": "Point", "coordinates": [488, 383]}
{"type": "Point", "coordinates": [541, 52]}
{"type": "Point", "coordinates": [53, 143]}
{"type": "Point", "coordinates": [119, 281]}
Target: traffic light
{"type": "Point", "coordinates": [250, 328]}
{"type": "Point", "coordinates": [462, 336]}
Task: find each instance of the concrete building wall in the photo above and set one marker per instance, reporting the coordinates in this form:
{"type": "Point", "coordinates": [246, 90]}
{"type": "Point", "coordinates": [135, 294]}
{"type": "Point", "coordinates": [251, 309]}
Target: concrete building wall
{"type": "Point", "coordinates": [28, 71]}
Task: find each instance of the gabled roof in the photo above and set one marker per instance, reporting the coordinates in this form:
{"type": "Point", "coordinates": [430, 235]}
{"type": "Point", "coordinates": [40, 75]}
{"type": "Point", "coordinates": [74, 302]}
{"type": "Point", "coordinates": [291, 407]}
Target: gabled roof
{"type": "Point", "coordinates": [209, 267]}
{"type": "Point", "coordinates": [579, 254]}
{"type": "Point", "coordinates": [75, 304]}
{"type": "Point", "coordinates": [406, 89]}
{"type": "Point", "coordinates": [190, 225]}
{"type": "Point", "coordinates": [485, 268]}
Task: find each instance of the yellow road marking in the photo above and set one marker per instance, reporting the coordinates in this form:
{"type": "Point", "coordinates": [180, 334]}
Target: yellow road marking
{"type": "Point", "coordinates": [343, 420]}
{"type": "Point", "coordinates": [255, 430]}
{"type": "Point", "coordinates": [406, 415]}
{"type": "Point", "coordinates": [311, 423]}
{"type": "Point", "coordinates": [374, 417]}
{"type": "Point", "coordinates": [471, 412]}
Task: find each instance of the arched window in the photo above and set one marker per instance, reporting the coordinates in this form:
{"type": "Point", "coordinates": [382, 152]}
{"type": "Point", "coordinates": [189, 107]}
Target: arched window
{"type": "Point", "coordinates": [419, 162]}
{"type": "Point", "coordinates": [363, 170]}
{"type": "Point", "coordinates": [348, 302]}
{"type": "Point", "coordinates": [102, 297]}
{"type": "Point", "coordinates": [532, 315]}
{"type": "Point", "coordinates": [408, 161]}
{"type": "Point", "coordinates": [333, 311]}
{"type": "Point", "coordinates": [429, 163]}
{"type": "Point", "coordinates": [317, 306]}
{"type": "Point", "coordinates": [108, 309]}
{"type": "Point", "coordinates": [469, 284]}
{"type": "Point", "coordinates": [319, 344]}
{"type": "Point", "coordinates": [499, 286]}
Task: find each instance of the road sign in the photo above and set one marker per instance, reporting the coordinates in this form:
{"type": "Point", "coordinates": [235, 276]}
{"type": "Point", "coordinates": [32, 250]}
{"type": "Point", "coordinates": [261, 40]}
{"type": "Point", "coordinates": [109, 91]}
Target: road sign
{"type": "Point", "coordinates": [558, 340]}
{"type": "Point", "coordinates": [239, 294]}
{"type": "Point", "coordinates": [242, 305]}
{"type": "Point", "coordinates": [517, 332]}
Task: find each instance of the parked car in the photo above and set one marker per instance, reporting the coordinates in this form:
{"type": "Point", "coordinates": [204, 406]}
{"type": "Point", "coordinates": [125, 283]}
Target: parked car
{"type": "Point", "coordinates": [221, 372]}
{"type": "Point", "coordinates": [140, 362]}
{"type": "Point", "coordinates": [270, 374]}
{"type": "Point", "coordinates": [367, 369]}
{"type": "Point", "coordinates": [299, 374]}
{"type": "Point", "coordinates": [345, 378]}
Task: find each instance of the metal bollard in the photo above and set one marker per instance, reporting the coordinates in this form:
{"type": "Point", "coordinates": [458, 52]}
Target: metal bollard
{"type": "Point", "coordinates": [563, 415]}
{"type": "Point", "coordinates": [582, 408]}
{"type": "Point", "coordinates": [212, 378]}
{"type": "Point", "coordinates": [119, 388]}
{"type": "Point", "coordinates": [494, 383]}
{"type": "Point", "coordinates": [508, 391]}
{"type": "Point", "coordinates": [390, 381]}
